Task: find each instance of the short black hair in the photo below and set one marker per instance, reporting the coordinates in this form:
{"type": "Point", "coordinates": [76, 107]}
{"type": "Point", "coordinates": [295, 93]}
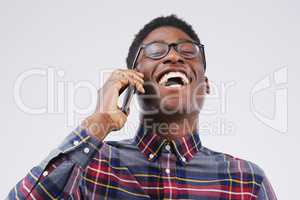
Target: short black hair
{"type": "Point", "coordinates": [171, 20]}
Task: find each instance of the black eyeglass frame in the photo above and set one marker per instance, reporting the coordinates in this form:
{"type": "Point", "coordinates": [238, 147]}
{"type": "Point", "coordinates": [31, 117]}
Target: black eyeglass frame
{"type": "Point", "coordinates": [174, 45]}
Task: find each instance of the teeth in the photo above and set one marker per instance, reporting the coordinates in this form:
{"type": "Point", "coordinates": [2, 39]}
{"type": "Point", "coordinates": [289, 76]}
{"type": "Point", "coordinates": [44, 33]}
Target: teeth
{"type": "Point", "coordinates": [176, 85]}
{"type": "Point", "coordinates": [168, 75]}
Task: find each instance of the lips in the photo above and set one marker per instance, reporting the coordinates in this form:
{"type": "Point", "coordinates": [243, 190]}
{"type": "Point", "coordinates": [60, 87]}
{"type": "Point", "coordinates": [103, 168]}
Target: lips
{"type": "Point", "coordinates": [174, 76]}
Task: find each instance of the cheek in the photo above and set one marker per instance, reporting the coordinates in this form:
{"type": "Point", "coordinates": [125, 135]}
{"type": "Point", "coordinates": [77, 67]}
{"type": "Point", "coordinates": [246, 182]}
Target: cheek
{"type": "Point", "coordinates": [146, 67]}
{"type": "Point", "coordinates": [198, 92]}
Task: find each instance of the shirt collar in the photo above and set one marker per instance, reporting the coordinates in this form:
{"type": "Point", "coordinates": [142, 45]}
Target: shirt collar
{"type": "Point", "coordinates": [150, 144]}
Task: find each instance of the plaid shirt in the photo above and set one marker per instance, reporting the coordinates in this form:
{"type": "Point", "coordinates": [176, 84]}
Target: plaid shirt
{"type": "Point", "coordinates": [145, 167]}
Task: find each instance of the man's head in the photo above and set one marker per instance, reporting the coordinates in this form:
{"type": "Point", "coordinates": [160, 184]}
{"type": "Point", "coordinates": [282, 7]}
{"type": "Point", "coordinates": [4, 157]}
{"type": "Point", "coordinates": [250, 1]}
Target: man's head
{"type": "Point", "coordinates": [171, 20]}
{"type": "Point", "coordinates": [173, 63]}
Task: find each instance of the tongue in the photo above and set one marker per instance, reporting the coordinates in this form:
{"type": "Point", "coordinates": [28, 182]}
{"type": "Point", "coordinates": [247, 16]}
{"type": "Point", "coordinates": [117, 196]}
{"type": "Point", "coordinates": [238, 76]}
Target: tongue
{"type": "Point", "coordinates": [174, 81]}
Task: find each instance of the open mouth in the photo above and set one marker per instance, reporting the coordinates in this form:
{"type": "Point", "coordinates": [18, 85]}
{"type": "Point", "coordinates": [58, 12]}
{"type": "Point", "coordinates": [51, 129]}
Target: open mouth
{"type": "Point", "coordinates": [173, 79]}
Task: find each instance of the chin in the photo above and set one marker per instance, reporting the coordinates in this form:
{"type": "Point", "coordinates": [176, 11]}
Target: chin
{"type": "Point", "coordinates": [174, 106]}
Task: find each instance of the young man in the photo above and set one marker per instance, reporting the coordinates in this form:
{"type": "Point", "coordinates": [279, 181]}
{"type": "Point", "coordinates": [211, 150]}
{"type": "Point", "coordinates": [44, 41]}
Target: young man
{"type": "Point", "coordinates": [165, 160]}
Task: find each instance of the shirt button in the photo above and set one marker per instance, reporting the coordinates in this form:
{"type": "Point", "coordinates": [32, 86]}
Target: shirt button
{"type": "Point", "coordinates": [168, 171]}
{"type": "Point", "coordinates": [86, 150]}
{"type": "Point", "coordinates": [168, 148]}
{"type": "Point", "coordinates": [45, 173]}
{"type": "Point", "coordinates": [76, 142]}
{"type": "Point", "coordinates": [151, 156]}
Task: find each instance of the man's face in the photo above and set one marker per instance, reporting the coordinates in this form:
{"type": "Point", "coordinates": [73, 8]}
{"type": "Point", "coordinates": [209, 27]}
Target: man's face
{"type": "Point", "coordinates": [159, 97]}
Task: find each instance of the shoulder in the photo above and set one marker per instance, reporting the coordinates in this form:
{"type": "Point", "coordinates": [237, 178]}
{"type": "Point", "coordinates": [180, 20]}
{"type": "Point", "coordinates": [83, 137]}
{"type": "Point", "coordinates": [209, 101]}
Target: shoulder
{"type": "Point", "coordinates": [121, 144]}
{"type": "Point", "coordinates": [233, 163]}
{"type": "Point", "coordinates": [239, 170]}
{"type": "Point", "coordinates": [119, 148]}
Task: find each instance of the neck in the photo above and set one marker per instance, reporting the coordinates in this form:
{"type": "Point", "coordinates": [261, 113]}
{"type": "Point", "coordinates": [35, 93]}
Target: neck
{"type": "Point", "coordinates": [170, 126]}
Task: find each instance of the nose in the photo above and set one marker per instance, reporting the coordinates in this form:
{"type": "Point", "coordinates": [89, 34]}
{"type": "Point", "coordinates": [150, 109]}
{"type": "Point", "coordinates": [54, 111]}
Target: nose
{"type": "Point", "coordinates": [173, 57]}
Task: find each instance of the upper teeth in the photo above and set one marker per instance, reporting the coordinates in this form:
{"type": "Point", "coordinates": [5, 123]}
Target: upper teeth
{"type": "Point", "coordinates": [168, 75]}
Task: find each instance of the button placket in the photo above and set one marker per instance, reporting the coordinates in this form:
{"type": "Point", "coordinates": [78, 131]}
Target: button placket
{"type": "Point", "coordinates": [168, 167]}
{"type": "Point", "coordinates": [167, 162]}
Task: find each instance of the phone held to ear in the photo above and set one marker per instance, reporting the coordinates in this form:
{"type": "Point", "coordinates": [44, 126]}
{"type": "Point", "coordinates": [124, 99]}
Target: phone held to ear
{"type": "Point", "coordinates": [127, 99]}
{"type": "Point", "coordinates": [130, 89]}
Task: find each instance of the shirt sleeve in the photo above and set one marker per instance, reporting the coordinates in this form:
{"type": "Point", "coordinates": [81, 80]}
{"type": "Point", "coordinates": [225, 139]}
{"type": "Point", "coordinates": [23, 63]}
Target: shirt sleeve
{"type": "Point", "coordinates": [266, 191]}
{"type": "Point", "coordinates": [59, 174]}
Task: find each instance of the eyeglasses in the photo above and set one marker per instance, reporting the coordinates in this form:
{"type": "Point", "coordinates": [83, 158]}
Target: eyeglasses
{"type": "Point", "coordinates": [158, 50]}
{"type": "Point", "coordinates": [187, 49]}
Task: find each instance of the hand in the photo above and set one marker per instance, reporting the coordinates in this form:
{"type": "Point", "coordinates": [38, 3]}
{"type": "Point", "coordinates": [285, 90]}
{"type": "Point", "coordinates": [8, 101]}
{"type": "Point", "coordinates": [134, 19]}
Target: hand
{"type": "Point", "coordinates": [108, 115]}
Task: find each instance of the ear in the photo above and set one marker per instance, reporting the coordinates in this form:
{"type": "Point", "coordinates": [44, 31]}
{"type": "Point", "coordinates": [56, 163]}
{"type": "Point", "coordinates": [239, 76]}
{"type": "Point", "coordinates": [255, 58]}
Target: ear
{"type": "Point", "coordinates": [207, 85]}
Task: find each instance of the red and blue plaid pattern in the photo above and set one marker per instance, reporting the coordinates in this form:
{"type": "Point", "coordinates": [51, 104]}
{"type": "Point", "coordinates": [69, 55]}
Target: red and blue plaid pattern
{"type": "Point", "coordinates": [151, 144]}
{"type": "Point", "coordinates": [145, 167]}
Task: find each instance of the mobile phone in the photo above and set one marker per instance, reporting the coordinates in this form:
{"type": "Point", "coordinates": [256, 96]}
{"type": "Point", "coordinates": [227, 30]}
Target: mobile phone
{"type": "Point", "coordinates": [130, 90]}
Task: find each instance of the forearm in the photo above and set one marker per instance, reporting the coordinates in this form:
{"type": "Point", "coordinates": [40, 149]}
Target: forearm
{"type": "Point", "coordinates": [59, 174]}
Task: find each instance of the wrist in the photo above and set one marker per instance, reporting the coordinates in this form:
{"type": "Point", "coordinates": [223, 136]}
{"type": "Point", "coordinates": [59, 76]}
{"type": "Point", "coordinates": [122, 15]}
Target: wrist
{"type": "Point", "coordinates": [98, 125]}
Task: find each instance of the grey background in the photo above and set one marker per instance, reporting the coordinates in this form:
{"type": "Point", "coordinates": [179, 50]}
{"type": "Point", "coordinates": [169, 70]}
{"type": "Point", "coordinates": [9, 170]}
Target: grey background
{"type": "Point", "coordinates": [245, 42]}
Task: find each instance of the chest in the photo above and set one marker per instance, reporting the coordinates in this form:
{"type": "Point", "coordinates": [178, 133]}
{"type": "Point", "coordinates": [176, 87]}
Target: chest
{"type": "Point", "coordinates": [167, 178]}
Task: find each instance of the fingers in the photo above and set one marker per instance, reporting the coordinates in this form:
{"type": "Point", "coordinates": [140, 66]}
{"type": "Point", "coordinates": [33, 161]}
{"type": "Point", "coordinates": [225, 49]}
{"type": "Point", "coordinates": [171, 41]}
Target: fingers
{"type": "Point", "coordinates": [132, 73]}
{"type": "Point", "coordinates": [138, 83]}
{"type": "Point", "coordinates": [125, 77]}
{"type": "Point", "coordinates": [135, 76]}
